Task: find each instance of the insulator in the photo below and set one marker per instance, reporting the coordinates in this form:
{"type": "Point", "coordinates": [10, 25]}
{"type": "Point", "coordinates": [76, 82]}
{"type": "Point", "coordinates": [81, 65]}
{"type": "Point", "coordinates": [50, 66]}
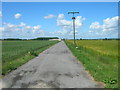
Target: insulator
{"type": "Point", "coordinates": [73, 17]}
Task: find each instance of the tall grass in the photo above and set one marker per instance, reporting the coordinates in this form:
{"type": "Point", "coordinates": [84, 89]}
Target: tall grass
{"type": "Point", "coordinates": [16, 53]}
{"type": "Point", "coordinates": [100, 58]}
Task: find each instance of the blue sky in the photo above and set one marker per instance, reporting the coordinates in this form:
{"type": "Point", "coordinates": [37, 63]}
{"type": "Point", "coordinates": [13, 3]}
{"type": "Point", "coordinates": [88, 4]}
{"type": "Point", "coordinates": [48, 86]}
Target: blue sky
{"type": "Point", "coordinates": [95, 20]}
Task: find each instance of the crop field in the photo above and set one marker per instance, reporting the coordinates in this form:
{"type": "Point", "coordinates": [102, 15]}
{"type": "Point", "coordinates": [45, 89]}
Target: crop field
{"type": "Point", "coordinates": [16, 53]}
{"type": "Point", "coordinates": [100, 58]}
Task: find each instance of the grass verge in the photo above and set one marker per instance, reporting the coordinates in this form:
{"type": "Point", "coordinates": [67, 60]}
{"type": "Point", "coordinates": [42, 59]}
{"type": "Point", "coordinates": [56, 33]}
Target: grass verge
{"type": "Point", "coordinates": [103, 68]}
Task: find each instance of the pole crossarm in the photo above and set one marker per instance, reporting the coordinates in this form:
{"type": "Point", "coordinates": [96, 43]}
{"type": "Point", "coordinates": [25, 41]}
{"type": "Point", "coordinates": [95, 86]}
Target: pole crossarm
{"type": "Point", "coordinates": [73, 12]}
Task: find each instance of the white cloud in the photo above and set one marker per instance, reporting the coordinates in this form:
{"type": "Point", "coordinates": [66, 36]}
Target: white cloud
{"type": "Point", "coordinates": [0, 14]}
{"type": "Point", "coordinates": [21, 30]}
{"type": "Point", "coordinates": [62, 22]}
{"type": "Point", "coordinates": [49, 16]}
{"type": "Point", "coordinates": [17, 16]}
{"type": "Point", "coordinates": [110, 24]}
{"type": "Point", "coordinates": [10, 25]}
{"type": "Point", "coordinates": [22, 24]}
{"type": "Point", "coordinates": [79, 21]}
{"type": "Point", "coordinates": [61, 16]}
{"type": "Point", "coordinates": [37, 27]}
{"type": "Point", "coordinates": [28, 27]}
{"type": "Point", "coordinates": [71, 32]}
{"type": "Point", "coordinates": [109, 28]}
{"type": "Point", "coordinates": [1, 30]}
{"type": "Point", "coordinates": [61, 32]}
{"type": "Point", "coordinates": [95, 25]}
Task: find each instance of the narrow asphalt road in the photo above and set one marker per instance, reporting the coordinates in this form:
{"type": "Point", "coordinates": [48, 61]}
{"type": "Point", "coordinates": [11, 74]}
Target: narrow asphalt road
{"type": "Point", "coordinates": [56, 67]}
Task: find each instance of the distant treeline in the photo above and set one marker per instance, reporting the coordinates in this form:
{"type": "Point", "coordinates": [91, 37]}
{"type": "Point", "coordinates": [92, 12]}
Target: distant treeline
{"type": "Point", "coordinates": [98, 39]}
{"type": "Point", "coordinates": [40, 38]}
{"type": "Point", "coordinates": [13, 39]}
{"type": "Point", "coordinates": [45, 38]}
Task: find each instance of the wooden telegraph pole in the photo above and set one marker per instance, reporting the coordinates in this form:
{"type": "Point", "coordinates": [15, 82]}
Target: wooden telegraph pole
{"type": "Point", "coordinates": [73, 18]}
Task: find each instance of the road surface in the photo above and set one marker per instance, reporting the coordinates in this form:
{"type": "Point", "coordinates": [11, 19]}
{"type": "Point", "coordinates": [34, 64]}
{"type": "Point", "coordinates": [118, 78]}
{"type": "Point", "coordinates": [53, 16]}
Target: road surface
{"type": "Point", "coordinates": [56, 67]}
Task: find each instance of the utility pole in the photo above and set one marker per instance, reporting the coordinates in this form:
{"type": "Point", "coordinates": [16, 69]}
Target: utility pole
{"type": "Point", "coordinates": [73, 18]}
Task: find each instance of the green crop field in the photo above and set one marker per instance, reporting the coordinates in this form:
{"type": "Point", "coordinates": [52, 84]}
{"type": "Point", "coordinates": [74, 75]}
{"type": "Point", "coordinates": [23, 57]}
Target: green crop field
{"type": "Point", "coordinates": [100, 58]}
{"type": "Point", "coordinates": [16, 53]}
